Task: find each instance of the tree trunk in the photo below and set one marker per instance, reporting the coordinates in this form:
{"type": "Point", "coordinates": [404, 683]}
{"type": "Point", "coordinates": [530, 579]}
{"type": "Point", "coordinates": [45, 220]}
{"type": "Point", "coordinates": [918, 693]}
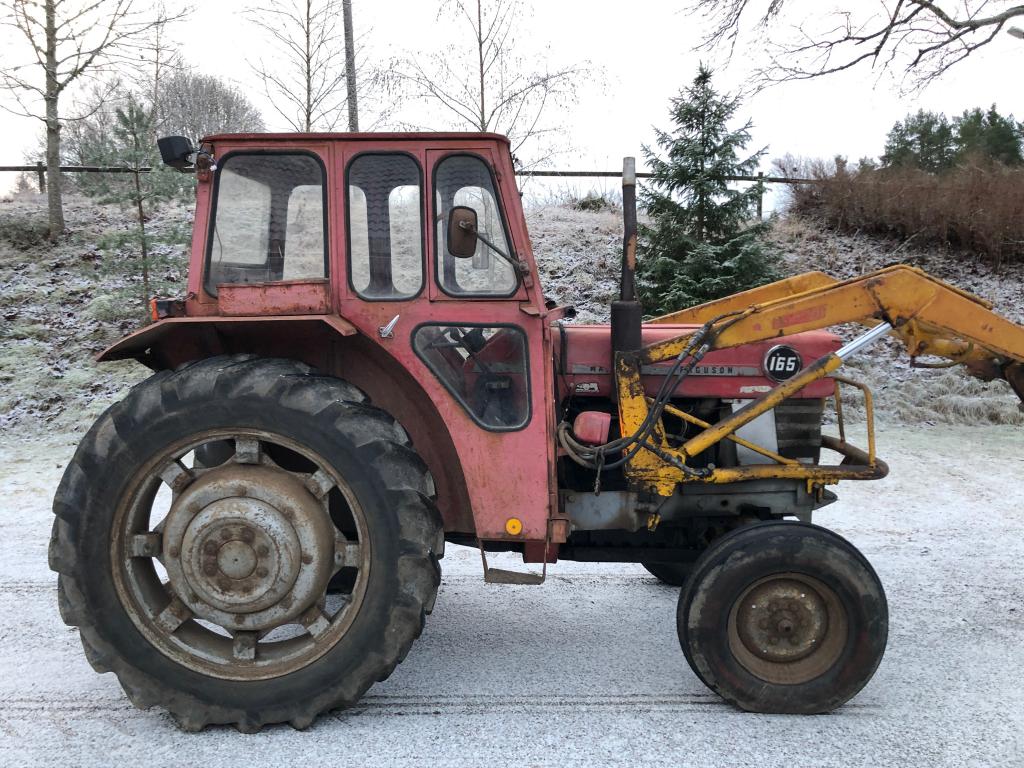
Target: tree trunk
{"type": "Point", "coordinates": [309, 65]}
{"type": "Point", "coordinates": [480, 58]}
{"type": "Point", "coordinates": [350, 67]}
{"type": "Point", "coordinates": [142, 241]}
{"type": "Point", "coordinates": [54, 198]}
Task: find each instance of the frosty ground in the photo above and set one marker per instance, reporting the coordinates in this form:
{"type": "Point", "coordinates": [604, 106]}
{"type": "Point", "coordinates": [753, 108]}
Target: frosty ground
{"type": "Point", "coordinates": [586, 669]}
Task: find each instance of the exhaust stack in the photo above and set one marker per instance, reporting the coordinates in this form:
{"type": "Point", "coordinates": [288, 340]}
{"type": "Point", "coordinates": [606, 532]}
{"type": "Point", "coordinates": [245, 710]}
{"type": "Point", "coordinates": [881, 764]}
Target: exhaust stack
{"type": "Point", "coordinates": [627, 314]}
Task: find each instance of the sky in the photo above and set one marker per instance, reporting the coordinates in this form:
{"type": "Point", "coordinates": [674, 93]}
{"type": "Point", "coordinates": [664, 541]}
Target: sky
{"type": "Point", "coordinates": [640, 54]}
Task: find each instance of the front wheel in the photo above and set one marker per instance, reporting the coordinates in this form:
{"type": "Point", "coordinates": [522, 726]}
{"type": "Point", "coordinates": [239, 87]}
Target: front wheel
{"type": "Point", "coordinates": [199, 526]}
{"type": "Point", "coordinates": [783, 617]}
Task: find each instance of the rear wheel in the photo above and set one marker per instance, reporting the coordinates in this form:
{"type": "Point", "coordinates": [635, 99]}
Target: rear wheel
{"type": "Point", "coordinates": [673, 574]}
{"type": "Point", "coordinates": [200, 524]}
{"type": "Point", "coordinates": [783, 617]}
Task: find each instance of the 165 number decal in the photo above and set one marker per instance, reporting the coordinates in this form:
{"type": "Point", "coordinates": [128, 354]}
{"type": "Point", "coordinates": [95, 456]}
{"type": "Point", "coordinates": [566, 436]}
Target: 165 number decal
{"type": "Point", "coordinates": [782, 363]}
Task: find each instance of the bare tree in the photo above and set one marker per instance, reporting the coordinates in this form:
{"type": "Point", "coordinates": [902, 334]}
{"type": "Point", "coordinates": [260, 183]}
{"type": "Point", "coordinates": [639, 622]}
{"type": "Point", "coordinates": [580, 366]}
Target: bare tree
{"type": "Point", "coordinates": [350, 68]}
{"type": "Point", "coordinates": [308, 79]}
{"type": "Point", "coordinates": [66, 41]}
{"type": "Point", "coordinates": [198, 105]}
{"type": "Point", "coordinates": [481, 83]}
{"type": "Point", "coordinates": [191, 104]}
{"type": "Point", "coordinates": [158, 58]}
{"type": "Point", "coordinates": [923, 38]}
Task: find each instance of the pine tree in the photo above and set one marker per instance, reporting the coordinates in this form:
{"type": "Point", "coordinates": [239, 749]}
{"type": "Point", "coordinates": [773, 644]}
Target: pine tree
{"type": "Point", "coordinates": [701, 243]}
{"type": "Point", "coordinates": [923, 140]}
{"type": "Point", "coordinates": [988, 134]}
{"type": "Point", "coordinates": [131, 144]}
{"type": "Point", "coordinates": [930, 142]}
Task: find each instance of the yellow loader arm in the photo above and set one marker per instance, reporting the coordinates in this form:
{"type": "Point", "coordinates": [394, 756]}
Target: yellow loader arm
{"type": "Point", "coordinates": [931, 317]}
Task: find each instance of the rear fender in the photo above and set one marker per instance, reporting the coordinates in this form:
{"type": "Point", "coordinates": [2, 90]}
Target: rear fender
{"type": "Point", "coordinates": [169, 343]}
{"type": "Point", "coordinates": [334, 346]}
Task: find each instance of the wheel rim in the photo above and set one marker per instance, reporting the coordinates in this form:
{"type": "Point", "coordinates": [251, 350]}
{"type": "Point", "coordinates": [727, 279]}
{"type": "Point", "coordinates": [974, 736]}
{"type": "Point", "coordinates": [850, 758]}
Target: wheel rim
{"type": "Point", "coordinates": [232, 580]}
{"type": "Point", "coordinates": [788, 628]}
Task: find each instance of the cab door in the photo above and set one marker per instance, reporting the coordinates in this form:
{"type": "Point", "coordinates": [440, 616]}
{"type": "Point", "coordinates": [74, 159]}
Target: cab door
{"type": "Point", "coordinates": [484, 344]}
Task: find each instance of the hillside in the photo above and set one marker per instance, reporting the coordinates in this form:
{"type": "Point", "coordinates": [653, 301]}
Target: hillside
{"type": "Point", "coordinates": [61, 305]}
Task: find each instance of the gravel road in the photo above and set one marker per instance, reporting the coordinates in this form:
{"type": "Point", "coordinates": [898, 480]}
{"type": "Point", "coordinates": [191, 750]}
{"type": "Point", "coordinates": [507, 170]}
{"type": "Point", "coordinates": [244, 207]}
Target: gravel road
{"type": "Point", "coordinates": [586, 669]}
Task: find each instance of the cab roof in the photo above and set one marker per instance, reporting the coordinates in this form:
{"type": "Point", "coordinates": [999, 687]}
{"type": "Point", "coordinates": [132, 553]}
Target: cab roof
{"type": "Point", "coordinates": [453, 136]}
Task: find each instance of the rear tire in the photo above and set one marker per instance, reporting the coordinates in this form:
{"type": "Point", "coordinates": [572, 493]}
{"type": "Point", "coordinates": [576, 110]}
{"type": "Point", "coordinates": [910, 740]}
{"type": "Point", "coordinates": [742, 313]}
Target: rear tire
{"type": "Point", "coordinates": [326, 660]}
{"type": "Point", "coordinates": [783, 617]}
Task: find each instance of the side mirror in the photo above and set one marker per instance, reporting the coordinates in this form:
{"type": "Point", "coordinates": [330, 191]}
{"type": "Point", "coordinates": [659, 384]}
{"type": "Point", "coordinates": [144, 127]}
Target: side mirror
{"type": "Point", "coordinates": [175, 152]}
{"type": "Point", "coordinates": [462, 236]}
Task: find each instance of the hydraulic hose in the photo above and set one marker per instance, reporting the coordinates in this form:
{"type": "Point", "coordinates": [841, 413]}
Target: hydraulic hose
{"type": "Point", "coordinates": [593, 456]}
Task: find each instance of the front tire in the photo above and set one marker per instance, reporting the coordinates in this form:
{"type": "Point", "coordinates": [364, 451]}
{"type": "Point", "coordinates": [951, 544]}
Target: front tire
{"type": "Point", "coordinates": [217, 608]}
{"type": "Point", "coordinates": [783, 617]}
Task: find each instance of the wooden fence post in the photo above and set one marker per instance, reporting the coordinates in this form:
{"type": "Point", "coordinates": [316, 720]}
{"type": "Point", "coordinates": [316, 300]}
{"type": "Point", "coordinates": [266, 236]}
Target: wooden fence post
{"type": "Point", "coordinates": [760, 195]}
{"type": "Point", "coordinates": [41, 173]}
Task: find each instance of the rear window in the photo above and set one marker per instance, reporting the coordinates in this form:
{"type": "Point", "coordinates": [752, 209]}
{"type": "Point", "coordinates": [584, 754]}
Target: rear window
{"type": "Point", "coordinates": [268, 220]}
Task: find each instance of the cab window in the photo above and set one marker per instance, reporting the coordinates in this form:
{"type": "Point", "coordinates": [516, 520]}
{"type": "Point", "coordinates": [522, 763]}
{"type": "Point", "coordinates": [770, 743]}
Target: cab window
{"type": "Point", "coordinates": [385, 230]}
{"type": "Point", "coordinates": [466, 180]}
{"type": "Point", "coordinates": [268, 220]}
{"type": "Point", "coordinates": [484, 367]}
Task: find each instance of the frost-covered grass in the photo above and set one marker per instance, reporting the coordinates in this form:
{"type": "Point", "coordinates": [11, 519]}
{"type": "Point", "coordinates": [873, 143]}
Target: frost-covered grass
{"type": "Point", "coordinates": [63, 303]}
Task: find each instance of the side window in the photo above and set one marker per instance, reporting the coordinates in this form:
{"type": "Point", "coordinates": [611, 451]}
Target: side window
{"type": "Point", "coordinates": [385, 231]}
{"type": "Point", "coordinates": [268, 220]}
{"type": "Point", "coordinates": [465, 180]}
{"type": "Point", "coordinates": [484, 367]}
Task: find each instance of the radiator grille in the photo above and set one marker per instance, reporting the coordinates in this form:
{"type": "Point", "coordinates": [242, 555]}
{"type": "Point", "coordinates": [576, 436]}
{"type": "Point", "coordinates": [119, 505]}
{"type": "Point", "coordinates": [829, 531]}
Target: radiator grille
{"type": "Point", "coordinates": [798, 428]}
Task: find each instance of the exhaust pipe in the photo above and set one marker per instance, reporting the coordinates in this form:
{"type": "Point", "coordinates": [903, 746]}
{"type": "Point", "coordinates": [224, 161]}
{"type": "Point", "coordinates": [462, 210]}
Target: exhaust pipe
{"type": "Point", "coordinates": [627, 314]}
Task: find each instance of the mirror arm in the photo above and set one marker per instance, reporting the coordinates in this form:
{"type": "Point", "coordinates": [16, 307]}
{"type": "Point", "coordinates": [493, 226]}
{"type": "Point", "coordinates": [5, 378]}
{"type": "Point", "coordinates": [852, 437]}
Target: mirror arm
{"type": "Point", "coordinates": [519, 265]}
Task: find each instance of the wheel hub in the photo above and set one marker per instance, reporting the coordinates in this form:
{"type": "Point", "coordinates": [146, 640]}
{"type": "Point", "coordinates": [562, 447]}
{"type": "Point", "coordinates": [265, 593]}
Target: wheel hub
{"type": "Point", "coordinates": [782, 620]}
{"type": "Point", "coordinates": [248, 546]}
{"type": "Point", "coordinates": [788, 628]}
{"type": "Point", "coordinates": [236, 559]}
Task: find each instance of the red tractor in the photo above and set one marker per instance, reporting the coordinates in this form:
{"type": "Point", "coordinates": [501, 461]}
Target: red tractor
{"type": "Point", "coordinates": [365, 367]}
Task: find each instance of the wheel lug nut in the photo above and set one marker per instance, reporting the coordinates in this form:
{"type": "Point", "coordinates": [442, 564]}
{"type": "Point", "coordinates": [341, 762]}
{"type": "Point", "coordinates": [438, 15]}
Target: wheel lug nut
{"type": "Point", "coordinates": [210, 569]}
{"type": "Point", "coordinates": [248, 535]}
{"type": "Point", "coordinates": [210, 547]}
{"type": "Point", "coordinates": [263, 550]}
{"type": "Point", "coordinates": [225, 533]}
{"type": "Point", "coordinates": [262, 572]}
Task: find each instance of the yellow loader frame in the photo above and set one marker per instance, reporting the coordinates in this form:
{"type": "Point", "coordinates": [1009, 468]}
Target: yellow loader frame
{"type": "Point", "coordinates": [930, 317]}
